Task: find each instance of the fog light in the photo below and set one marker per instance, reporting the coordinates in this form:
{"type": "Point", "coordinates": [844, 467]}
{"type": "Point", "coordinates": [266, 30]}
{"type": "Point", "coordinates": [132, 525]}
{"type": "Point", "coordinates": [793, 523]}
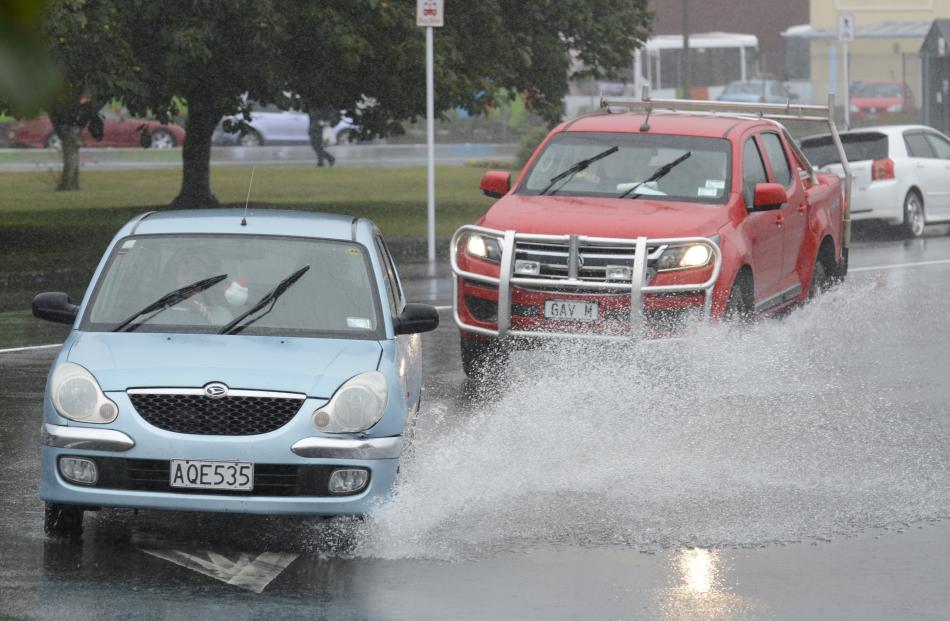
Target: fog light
{"type": "Point", "coordinates": [78, 470]}
{"type": "Point", "coordinates": [348, 480]}
{"type": "Point", "coordinates": [619, 272]}
{"type": "Point", "coordinates": [527, 268]}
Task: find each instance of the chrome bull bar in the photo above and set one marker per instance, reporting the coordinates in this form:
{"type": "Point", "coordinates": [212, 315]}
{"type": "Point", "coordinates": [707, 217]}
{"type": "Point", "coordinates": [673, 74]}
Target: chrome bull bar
{"type": "Point", "coordinates": [637, 286]}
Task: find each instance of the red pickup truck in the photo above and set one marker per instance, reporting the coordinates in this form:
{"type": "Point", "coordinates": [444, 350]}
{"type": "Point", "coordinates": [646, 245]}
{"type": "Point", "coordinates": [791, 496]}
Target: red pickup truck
{"type": "Point", "coordinates": [628, 223]}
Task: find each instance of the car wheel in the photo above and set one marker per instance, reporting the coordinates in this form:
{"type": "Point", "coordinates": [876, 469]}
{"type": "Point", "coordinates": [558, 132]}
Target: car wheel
{"type": "Point", "coordinates": [63, 521]}
{"type": "Point", "coordinates": [53, 141]}
{"type": "Point", "coordinates": [483, 359]}
{"type": "Point", "coordinates": [819, 280]}
{"type": "Point", "coordinates": [740, 308]}
{"type": "Point", "coordinates": [162, 139]}
{"type": "Point", "coordinates": [250, 139]}
{"type": "Point", "coordinates": [345, 136]}
{"type": "Point", "coordinates": [914, 215]}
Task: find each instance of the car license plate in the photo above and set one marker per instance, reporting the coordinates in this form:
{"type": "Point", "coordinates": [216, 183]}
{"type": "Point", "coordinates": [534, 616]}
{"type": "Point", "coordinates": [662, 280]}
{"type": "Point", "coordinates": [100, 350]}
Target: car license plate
{"type": "Point", "coordinates": [570, 310]}
{"type": "Point", "coordinates": [230, 475]}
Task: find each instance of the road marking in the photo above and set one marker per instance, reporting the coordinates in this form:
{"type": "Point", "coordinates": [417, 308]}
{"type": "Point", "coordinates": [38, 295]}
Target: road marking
{"type": "Point", "coordinates": [247, 573]}
{"type": "Point", "coordinates": [895, 266]}
{"type": "Point", "coordinates": [443, 308]}
{"type": "Point", "coordinates": [13, 349]}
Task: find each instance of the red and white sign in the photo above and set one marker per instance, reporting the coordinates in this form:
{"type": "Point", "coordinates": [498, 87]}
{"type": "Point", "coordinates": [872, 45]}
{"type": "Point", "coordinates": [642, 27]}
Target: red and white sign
{"type": "Point", "coordinates": [430, 13]}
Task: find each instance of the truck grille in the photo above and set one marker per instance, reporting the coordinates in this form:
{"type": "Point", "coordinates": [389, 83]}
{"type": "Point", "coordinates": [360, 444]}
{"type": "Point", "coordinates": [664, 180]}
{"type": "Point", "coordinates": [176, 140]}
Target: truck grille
{"type": "Point", "coordinates": [592, 260]}
{"type": "Point", "coordinates": [190, 411]}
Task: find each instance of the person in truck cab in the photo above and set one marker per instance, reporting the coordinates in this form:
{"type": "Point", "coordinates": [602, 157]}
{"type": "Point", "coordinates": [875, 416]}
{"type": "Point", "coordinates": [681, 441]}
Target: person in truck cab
{"type": "Point", "coordinates": [626, 224]}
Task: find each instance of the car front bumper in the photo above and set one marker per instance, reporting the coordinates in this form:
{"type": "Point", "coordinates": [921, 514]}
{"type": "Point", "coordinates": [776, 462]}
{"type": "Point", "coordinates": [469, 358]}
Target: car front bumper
{"type": "Point", "coordinates": [290, 477]}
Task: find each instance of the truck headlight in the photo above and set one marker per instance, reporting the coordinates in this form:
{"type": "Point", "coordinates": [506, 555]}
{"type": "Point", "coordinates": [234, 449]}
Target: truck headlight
{"type": "Point", "coordinates": [483, 247]}
{"type": "Point", "coordinates": [77, 396]}
{"type": "Point", "coordinates": [684, 257]}
{"type": "Point", "coordinates": [356, 406]}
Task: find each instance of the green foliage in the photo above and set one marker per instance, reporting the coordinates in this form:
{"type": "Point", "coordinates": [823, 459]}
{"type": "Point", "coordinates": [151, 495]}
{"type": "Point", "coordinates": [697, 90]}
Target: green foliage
{"type": "Point", "coordinates": [28, 78]}
{"type": "Point", "coordinates": [529, 144]}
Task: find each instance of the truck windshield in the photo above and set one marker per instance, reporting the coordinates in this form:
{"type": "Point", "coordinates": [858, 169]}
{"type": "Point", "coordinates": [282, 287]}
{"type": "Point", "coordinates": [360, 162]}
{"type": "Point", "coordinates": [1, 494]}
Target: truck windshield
{"type": "Point", "coordinates": [333, 294]}
{"type": "Point", "coordinates": [703, 177]}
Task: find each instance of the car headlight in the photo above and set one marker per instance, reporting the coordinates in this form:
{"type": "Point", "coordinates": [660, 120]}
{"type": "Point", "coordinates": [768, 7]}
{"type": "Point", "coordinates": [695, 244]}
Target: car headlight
{"type": "Point", "coordinates": [77, 396]}
{"type": "Point", "coordinates": [894, 107]}
{"type": "Point", "coordinates": [483, 247]}
{"type": "Point", "coordinates": [357, 405]}
{"type": "Point", "coordinates": [684, 257]}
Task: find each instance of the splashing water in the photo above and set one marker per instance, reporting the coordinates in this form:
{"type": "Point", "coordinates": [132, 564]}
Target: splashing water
{"type": "Point", "coordinates": [823, 423]}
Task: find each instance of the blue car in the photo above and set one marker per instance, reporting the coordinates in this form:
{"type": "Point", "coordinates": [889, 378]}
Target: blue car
{"type": "Point", "coordinates": [262, 364]}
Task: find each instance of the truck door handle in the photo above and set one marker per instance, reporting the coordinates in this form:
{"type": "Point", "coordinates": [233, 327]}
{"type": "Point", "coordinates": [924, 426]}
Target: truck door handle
{"type": "Point", "coordinates": [779, 220]}
{"type": "Point", "coordinates": [802, 208]}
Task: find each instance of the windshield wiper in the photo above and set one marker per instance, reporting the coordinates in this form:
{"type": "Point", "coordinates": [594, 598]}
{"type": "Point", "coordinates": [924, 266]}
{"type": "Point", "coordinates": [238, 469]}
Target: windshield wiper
{"type": "Point", "coordinates": [271, 298]}
{"type": "Point", "coordinates": [168, 300]}
{"type": "Point", "coordinates": [660, 172]}
{"type": "Point", "coordinates": [576, 168]}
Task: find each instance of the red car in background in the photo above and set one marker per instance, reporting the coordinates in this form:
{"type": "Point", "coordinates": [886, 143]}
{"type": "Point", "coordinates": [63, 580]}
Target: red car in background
{"type": "Point", "coordinates": [118, 131]}
{"type": "Point", "coordinates": [875, 98]}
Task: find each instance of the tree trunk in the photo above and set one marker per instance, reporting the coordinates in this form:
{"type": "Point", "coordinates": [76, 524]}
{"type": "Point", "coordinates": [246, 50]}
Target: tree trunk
{"type": "Point", "coordinates": [203, 116]}
{"type": "Point", "coordinates": [69, 135]}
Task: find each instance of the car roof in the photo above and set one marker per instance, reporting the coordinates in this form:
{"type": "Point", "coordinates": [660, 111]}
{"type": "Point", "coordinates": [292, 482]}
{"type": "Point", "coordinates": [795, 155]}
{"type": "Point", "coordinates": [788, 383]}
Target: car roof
{"type": "Point", "coordinates": [890, 130]}
{"type": "Point", "coordinates": [259, 222]}
{"type": "Point", "coordinates": [674, 123]}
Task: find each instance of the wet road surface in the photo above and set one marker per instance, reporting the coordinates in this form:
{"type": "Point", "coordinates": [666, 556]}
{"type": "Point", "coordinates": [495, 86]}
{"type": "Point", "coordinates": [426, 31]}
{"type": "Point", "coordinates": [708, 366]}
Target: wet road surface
{"type": "Point", "coordinates": [800, 469]}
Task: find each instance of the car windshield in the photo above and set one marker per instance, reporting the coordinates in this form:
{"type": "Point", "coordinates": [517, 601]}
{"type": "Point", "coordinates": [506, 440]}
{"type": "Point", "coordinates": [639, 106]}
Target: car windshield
{"type": "Point", "coordinates": [877, 89]}
{"type": "Point", "coordinates": [858, 147]}
{"type": "Point", "coordinates": [703, 177]}
{"type": "Point", "coordinates": [336, 297]}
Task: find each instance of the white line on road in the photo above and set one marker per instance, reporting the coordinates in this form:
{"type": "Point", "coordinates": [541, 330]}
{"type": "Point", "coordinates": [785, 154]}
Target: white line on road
{"type": "Point", "coordinates": [13, 349]}
{"type": "Point", "coordinates": [895, 266]}
{"type": "Point", "coordinates": [443, 308]}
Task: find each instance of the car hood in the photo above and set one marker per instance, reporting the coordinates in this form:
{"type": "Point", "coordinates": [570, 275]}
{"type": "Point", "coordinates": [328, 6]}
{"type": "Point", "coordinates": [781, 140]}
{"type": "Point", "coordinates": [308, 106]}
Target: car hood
{"type": "Point", "coordinates": [604, 217]}
{"type": "Point", "coordinates": [875, 102]}
{"type": "Point", "coordinates": [315, 367]}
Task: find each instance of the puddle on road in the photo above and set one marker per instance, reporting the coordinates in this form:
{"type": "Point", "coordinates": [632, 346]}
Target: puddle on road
{"type": "Point", "coordinates": [818, 425]}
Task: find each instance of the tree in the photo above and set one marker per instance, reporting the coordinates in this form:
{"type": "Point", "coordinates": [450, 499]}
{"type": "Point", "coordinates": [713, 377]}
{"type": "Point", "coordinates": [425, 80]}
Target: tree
{"type": "Point", "coordinates": [88, 45]}
{"type": "Point", "coordinates": [366, 56]}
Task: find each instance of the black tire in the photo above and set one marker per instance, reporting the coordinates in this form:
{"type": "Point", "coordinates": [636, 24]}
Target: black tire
{"type": "Point", "coordinates": [63, 521]}
{"type": "Point", "coordinates": [162, 139]}
{"type": "Point", "coordinates": [819, 280]}
{"type": "Point", "coordinates": [483, 359]}
{"type": "Point", "coordinates": [53, 141]}
{"type": "Point", "coordinates": [740, 308]}
{"type": "Point", "coordinates": [250, 139]}
{"type": "Point", "coordinates": [914, 223]}
{"type": "Point", "coordinates": [346, 136]}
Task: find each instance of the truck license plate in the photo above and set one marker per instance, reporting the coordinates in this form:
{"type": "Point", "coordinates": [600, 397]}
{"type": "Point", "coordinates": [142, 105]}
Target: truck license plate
{"type": "Point", "coordinates": [570, 310]}
{"type": "Point", "coordinates": [229, 475]}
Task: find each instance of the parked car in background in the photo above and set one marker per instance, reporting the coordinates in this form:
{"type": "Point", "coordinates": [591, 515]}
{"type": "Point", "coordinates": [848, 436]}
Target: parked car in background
{"type": "Point", "coordinates": [880, 98]}
{"type": "Point", "coordinates": [118, 130]}
{"type": "Point", "coordinates": [263, 364]}
{"type": "Point", "coordinates": [272, 126]}
{"type": "Point", "coordinates": [901, 173]}
{"type": "Point", "coordinates": [757, 91]}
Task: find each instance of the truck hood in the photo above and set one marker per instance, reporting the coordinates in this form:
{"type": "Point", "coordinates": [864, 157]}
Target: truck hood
{"type": "Point", "coordinates": [605, 217]}
{"type": "Point", "coordinates": [315, 367]}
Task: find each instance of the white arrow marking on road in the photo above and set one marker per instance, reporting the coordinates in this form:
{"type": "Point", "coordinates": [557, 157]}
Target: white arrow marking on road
{"type": "Point", "coordinates": [251, 574]}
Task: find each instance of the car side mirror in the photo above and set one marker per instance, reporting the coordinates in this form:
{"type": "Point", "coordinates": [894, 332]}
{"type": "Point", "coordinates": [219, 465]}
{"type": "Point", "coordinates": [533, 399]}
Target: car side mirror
{"type": "Point", "coordinates": [55, 306]}
{"type": "Point", "coordinates": [768, 196]}
{"type": "Point", "coordinates": [496, 183]}
{"type": "Point", "coordinates": [416, 318]}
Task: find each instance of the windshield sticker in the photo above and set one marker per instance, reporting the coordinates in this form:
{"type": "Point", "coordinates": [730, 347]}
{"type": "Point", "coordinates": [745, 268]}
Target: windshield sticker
{"type": "Point", "coordinates": [708, 192]}
{"type": "Point", "coordinates": [355, 251]}
{"type": "Point", "coordinates": [359, 322]}
{"type": "Point", "coordinates": [716, 184]}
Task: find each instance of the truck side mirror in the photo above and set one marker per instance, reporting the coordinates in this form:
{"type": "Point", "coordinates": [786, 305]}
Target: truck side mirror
{"type": "Point", "coordinates": [55, 306]}
{"type": "Point", "coordinates": [416, 318]}
{"type": "Point", "coordinates": [496, 183]}
{"type": "Point", "coordinates": [768, 196]}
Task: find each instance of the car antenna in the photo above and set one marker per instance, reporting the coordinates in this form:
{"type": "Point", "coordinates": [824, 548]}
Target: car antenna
{"type": "Point", "coordinates": [248, 199]}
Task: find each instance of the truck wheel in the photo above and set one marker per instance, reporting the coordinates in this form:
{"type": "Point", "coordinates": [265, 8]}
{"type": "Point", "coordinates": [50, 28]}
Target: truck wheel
{"type": "Point", "coordinates": [740, 308]}
{"type": "Point", "coordinates": [482, 359]}
{"type": "Point", "coordinates": [63, 521]}
{"type": "Point", "coordinates": [913, 215]}
{"type": "Point", "coordinates": [819, 280]}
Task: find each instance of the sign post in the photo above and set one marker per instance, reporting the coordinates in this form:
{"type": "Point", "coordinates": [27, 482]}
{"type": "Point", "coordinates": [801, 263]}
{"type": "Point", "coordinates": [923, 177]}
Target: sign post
{"type": "Point", "coordinates": [846, 36]}
{"type": "Point", "coordinates": [430, 14]}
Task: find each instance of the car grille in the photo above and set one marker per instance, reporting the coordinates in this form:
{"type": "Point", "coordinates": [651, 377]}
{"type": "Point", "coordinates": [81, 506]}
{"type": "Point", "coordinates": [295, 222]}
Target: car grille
{"type": "Point", "coordinates": [152, 475]}
{"type": "Point", "coordinates": [592, 260]}
{"type": "Point", "coordinates": [190, 411]}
